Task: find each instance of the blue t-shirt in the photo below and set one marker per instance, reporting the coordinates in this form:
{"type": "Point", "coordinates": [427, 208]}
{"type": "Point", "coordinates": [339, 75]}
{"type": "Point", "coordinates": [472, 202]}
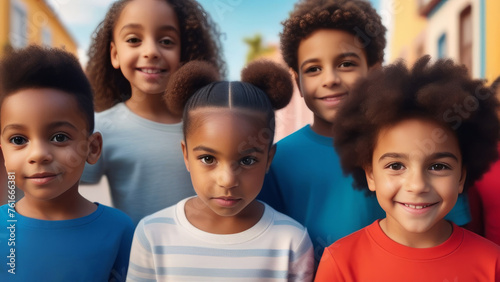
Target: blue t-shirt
{"type": "Point", "coordinates": [306, 182]}
{"type": "Point", "coordinates": [95, 247]}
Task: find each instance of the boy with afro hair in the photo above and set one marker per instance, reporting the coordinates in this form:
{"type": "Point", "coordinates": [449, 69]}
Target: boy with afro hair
{"type": "Point", "coordinates": [329, 45]}
{"type": "Point", "coordinates": [400, 135]}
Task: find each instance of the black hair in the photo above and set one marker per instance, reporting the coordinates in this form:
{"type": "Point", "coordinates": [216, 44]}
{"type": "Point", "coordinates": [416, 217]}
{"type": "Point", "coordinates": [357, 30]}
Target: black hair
{"type": "Point", "coordinates": [442, 92]}
{"type": "Point", "coordinates": [41, 67]}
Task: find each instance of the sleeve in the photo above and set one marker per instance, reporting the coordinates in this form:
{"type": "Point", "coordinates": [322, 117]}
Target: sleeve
{"type": "Point", "coordinates": [141, 266]}
{"type": "Point", "coordinates": [271, 192]}
{"type": "Point", "coordinates": [302, 261]}
{"type": "Point", "coordinates": [92, 174]}
{"type": "Point", "coordinates": [119, 272]}
{"type": "Point", "coordinates": [328, 269]}
{"type": "Point", "coordinates": [460, 214]}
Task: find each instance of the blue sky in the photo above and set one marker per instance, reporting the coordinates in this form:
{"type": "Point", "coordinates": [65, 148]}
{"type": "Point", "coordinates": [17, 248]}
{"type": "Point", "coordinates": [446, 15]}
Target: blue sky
{"type": "Point", "coordinates": [237, 19]}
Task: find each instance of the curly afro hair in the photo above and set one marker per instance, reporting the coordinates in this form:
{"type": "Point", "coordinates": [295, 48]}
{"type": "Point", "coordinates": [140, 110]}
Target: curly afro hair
{"type": "Point", "coordinates": [357, 17]}
{"type": "Point", "coordinates": [441, 92]}
{"type": "Point", "coordinates": [265, 87]}
{"type": "Point", "coordinates": [199, 41]}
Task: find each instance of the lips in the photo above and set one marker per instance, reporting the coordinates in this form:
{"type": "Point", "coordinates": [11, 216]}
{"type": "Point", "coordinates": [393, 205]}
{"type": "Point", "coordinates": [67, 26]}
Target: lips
{"type": "Point", "coordinates": [334, 97]}
{"type": "Point", "coordinates": [227, 201]}
{"type": "Point", "coordinates": [151, 70]}
{"type": "Point", "coordinates": [42, 178]}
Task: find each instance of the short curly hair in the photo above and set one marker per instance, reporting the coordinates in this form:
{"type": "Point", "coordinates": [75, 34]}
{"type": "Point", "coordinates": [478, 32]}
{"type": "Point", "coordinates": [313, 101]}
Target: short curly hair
{"type": "Point", "coordinates": [43, 67]}
{"type": "Point", "coordinates": [357, 17]}
{"type": "Point", "coordinates": [441, 92]}
{"type": "Point", "coordinates": [199, 41]}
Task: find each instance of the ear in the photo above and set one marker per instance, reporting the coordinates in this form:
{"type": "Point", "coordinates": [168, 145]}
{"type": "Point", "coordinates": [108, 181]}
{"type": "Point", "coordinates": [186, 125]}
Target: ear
{"type": "Point", "coordinates": [95, 148]}
{"type": "Point", "coordinates": [295, 76]}
{"type": "Point", "coordinates": [114, 55]}
{"type": "Point", "coordinates": [185, 154]}
{"type": "Point", "coordinates": [369, 178]}
{"type": "Point", "coordinates": [270, 157]}
{"type": "Point", "coordinates": [462, 180]}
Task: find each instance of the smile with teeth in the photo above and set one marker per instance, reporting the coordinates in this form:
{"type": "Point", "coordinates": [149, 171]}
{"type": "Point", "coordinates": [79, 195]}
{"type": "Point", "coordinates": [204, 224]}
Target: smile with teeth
{"type": "Point", "coordinates": [151, 71]}
{"type": "Point", "coordinates": [418, 207]}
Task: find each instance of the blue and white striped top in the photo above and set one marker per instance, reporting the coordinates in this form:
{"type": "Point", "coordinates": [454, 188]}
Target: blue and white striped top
{"type": "Point", "coordinates": [167, 247]}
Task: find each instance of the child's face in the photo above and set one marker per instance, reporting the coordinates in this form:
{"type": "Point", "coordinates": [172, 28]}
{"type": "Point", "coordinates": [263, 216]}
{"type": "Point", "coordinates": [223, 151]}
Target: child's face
{"type": "Point", "coordinates": [330, 61]}
{"type": "Point", "coordinates": [146, 45]}
{"type": "Point", "coordinates": [227, 157]}
{"type": "Point", "coordinates": [417, 175]}
{"type": "Point", "coordinates": [45, 142]}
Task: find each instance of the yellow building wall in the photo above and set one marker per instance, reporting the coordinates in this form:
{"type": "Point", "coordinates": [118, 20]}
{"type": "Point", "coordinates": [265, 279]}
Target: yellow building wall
{"type": "Point", "coordinates": [408, 32]}
{"type": "Point", "coordinates": [39, 16]}
{"type": "Point", "coordinates": [492, 40]}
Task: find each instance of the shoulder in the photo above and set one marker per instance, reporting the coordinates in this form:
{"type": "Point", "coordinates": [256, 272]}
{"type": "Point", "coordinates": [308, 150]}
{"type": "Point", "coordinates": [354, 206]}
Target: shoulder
{"type": "Point", "coordinates": [280, 219]}
{"type": "Point", "coordinates": [298, 136]}
{"type": "Point", "coordinates": [479, 243]}
{"type": "Point", "coordinates": [287, 227]}
{"type": "Point", "coordinates": [116, 217]}
{"type": "Point", "coordinates": [160, 218]}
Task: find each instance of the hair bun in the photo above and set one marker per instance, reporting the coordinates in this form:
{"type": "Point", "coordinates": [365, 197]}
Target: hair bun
{"type": "Point", "coordinates": [272, 78]}
{"type": "Point", "coordinates": [186, 81]}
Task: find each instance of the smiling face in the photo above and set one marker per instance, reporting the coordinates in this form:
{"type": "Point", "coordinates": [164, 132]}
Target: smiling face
{"type": "Point", "coordinates": [226, 164]}
{"type": "Point", "coordinates": [146, 45]}
{"type": "Point", "coordinates": [330, 61]}
{"type": "Point", "coordinates": [45, 141]}
{"type": "Point", "coordinates": [417, 175]}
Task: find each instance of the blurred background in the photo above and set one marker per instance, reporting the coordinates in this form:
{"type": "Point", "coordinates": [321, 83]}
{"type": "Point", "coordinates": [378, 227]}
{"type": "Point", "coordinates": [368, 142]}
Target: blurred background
{"type": "Point", "coordinates": [464, 30]}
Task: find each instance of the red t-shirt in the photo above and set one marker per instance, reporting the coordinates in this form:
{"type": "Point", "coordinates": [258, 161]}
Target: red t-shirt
{"type": "Point", "coordinates": [484, 199]}
{"type": "Point", "coordinates": [369, 255]}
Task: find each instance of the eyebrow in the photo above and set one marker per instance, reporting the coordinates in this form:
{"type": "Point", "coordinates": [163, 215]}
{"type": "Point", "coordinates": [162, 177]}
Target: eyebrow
{"type": "Point", "coordinates": [212, 151]}
{"type": "Point", "coordinates": [340, 56]}
{"type": "Point", "coordinates": [51, 126]}
{"type": "Point", "coordinates": [138, 26]}
{"type": "Point", "coordinates": [438, 155]}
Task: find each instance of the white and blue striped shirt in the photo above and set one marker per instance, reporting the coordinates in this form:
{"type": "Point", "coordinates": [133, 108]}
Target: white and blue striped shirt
{"type": "Point", "coordinates": [167, 246]}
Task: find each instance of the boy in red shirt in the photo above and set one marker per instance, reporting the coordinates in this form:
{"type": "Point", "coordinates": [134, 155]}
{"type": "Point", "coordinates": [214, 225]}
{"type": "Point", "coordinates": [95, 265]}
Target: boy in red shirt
{"type": "Point", "coordinates": [417, 138]}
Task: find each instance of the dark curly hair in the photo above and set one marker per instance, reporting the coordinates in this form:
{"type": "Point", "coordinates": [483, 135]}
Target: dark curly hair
{"type": "Point", "coordinates": [265, 87]}
{"type": "Point", "coordinates": [41, 67]}
{"type": "Point", "coordinates": [357, 17]}
{"type": "Point", "coordinates": [441, 92]}
{"type": "Point", "coordinates": [199, 41]}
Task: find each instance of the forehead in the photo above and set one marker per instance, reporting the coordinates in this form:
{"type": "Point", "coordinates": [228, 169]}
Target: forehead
{"type": "Point", "coordinates": [329, 42]}
{"type": "Point", "coordinates": [417, 137]}
{"type": "Point", "coordinates": [36, 105]}
{"type": "Point", "coordinates": [222, 123]}
{"type": "Point", "coordinates": [146, 13]}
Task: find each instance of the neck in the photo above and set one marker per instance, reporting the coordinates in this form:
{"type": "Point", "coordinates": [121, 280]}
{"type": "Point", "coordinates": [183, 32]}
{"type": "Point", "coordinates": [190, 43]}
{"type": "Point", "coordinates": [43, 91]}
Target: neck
{"type": "Point", "coordinates": [322, 127]}
{"type": "Point", "coordinates": [210, 222]}
{"type": "Point", "coordinates": [69, 205]}
{"type": "Point", "coordinates": [151, 107]}
{"type": "Point", "coordinates": [433, 237]}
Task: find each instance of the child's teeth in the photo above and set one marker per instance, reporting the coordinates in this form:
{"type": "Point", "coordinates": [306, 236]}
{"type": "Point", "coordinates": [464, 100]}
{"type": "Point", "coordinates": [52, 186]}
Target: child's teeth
{"type": "Point", "coordinates": [416, 207]}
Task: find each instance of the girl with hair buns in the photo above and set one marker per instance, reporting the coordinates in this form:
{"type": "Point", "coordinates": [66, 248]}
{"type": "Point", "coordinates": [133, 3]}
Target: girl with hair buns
{"type": "Point", "coordinates": [223, 233]}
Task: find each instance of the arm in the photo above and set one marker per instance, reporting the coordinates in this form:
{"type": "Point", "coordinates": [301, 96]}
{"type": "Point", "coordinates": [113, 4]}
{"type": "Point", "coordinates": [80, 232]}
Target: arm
{"type": "Point", "coordinates": [119, 271]}
{"type": "Point", "coordinates": [141, 265]}
{"type": "Point", "coordinates": [302, 261]}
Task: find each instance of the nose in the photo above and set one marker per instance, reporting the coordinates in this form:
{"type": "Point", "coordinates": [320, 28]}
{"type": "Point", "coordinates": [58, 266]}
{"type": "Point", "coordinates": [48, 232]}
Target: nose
{"type": "Point", "coordinates": [417, 182]}
{"type": "Point", "coordinates": [227, 176]}
{"type": "Point", "coordinates": [150, 49]}
{"type": "Point", "coordinates": [330, 77]}
{"type": "Point", "coordinates": [39, 153]}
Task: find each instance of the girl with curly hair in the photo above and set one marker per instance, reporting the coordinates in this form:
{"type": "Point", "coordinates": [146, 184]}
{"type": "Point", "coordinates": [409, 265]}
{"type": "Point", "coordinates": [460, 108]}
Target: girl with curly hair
{"type": "Point", "coordinates": [134, 51]}
{"type": "Point", "coordinates": [223, 233]}
{"type": "Point", "coordinates": [417, 138]}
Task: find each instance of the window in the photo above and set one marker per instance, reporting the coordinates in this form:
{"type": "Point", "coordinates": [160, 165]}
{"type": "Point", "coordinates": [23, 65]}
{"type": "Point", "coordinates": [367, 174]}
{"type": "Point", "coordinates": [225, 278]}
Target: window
{"type": "Point", "coordinates": [442, 46]}
{"type": "Point", "coordinates": [18, 27]}
{"type": "Point", "coordinates": [465, 47]}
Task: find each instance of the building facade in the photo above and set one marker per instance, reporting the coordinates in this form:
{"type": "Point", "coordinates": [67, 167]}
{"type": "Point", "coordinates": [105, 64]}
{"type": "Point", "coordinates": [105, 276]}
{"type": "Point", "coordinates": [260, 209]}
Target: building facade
{"type": "Point", "coordinates": [25, 22]}
{"type": "Point", "coordinates": [463, 30]}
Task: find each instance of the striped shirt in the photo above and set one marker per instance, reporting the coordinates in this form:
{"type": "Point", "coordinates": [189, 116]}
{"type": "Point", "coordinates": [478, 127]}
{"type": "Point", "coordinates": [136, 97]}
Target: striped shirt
{"type": "Point", "coordinates": [167, 246]}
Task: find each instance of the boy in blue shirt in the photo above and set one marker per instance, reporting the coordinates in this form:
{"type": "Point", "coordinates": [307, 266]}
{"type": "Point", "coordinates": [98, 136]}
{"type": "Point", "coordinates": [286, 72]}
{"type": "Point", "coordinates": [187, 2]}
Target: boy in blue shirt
{"type": "Point", "coordinates": [328, 45]}
{"type": "Point", "coordinates": [46, 120]}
